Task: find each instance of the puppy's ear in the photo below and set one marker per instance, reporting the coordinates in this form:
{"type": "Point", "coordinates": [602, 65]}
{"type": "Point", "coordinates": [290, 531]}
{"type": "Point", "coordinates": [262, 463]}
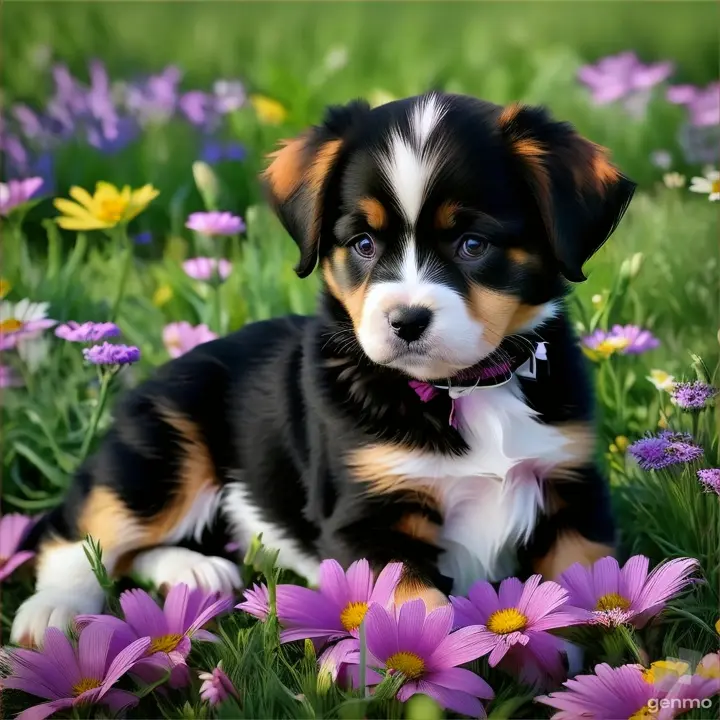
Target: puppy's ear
{"type": "Point", "coordinates": [301, 173]}
{"type": "Point", "coordinates": [580, 194]}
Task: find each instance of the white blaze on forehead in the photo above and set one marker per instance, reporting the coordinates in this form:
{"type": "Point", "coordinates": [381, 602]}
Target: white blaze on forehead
{"type": "Point", "coordinates": [410, 165]}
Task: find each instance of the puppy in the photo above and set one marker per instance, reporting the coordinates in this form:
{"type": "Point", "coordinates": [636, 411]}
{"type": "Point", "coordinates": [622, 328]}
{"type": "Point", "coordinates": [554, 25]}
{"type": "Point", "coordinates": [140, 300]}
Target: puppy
{"type": "Point", "coordinates": [410, 419]}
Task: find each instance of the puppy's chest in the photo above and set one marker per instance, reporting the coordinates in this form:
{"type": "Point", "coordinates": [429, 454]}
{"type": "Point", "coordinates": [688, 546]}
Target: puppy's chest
{"type": "Point", "coordinates": [491, 496]}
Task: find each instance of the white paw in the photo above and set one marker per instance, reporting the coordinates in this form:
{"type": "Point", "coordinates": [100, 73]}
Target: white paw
{"type": "Point", "coordinates": [167, 566]}
{"type": "Point", "coordinates": [51, 607]}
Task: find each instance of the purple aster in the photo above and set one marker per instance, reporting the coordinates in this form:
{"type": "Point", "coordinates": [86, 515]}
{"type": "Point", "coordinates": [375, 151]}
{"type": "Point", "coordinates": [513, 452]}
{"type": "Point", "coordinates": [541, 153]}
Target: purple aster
{"type": "Point", "coordinates": [154, 99]}
{"type": "Point", "coordinates": [17, 192]}
{"type": "Point", "coordinates": [257, 602]}
{"type": "Point", "coordinates": [215, 223]}
{"type": "Point", "coordinates": [420, 645]}
{"type": "Point", "coordinates": [703, 104]}
{"type": "Point", "coordinates": [199, 108]}
{"type": "Point", "coordinates": [217, 686]}
{"type": "Point", "coordinates": [229, 95]}
{"type": "Point", "coordinates": [87, 332]}
{"type": "Point", "coordinates": [639, 340]}
{"type": "Point", "coordinates": [108, 354]}
{"type": "Point", "coordinates": [9, 378]}
{"type": "Point", "coordinates": [207, 269]}
{"type": "Point", "coordinates": [616, 596]}
{"type": "Point", "coordinates": [655, 452]}
{"type": "Point", "coordinates": [710, 479]}
{"type": "Point", "coordinates": [181, 337]}
{"type": "Point", "coordinates": [13, 529]}
{"type": "Point", "coordinates": [693, 396]}
{"type": "Point", "coordinates": [71, 676]}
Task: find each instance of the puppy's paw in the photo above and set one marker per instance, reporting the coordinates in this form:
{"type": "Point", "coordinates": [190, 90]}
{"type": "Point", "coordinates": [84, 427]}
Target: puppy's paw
{"type": "Point", "coordinates": [167, 566]}
{"type": "Point", "coordinates": [51, 607]}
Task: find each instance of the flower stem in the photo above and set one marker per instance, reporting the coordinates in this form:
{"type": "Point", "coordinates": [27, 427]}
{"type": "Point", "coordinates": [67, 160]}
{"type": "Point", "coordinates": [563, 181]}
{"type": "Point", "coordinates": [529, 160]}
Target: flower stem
{"type": "Point", "coordinates": [217, 301]}
{"type": "Point", "coordinates": [363, 660]}
{"type": "Point", "coordinates": [105, 379]}
{"type": "Point", "coordinates": [124, 273]}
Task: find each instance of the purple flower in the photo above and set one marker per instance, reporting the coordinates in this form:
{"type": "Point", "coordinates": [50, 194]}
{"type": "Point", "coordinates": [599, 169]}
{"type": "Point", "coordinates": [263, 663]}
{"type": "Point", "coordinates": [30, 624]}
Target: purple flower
{"type": "Point", "coordinates": [215, 223]}
{"type": "Point", "coordinates": [73, 676]}
{"type": "Point", "coordinates": [9, 378]}
{"type": "Point", "coordinates": [339, 605]}
{"type": "Point", "coordinates": [143, 238]}
{"type": "Point", "coordinates": [703, 103]}
{"type": "Point", "coordinates": [87, 332]}
{"type": "Point", "coordinates": [204, 268]}
{"type": "Point", "coordinates": [257, 602]}
{"type": "Point", "coordinates": [181, 337]}
{"type": "Point", "coordinates": [710, 479]}
{"type": "Point", "coordinates": [17, 192]}
{"type": "Point", "coordinates": [514, 621]}
{"type": "Point", "coordinates": [24, 320]}
{"type": "Point", "coordinates": [199, 108]}
{"type": "Point", "coordinates": [229, 95]}
{"type": "Point", "coordinates": [216, 687]}
{"type": "Point", "coordinates": [13, 529]}
{"type": "Point", "coordinates": [693, 396]}
{"type": "Point", "coordinates": [667, 448]}
{"type": "Point", "coordinates": [214, 151]}
{"type": "Point", "coordinates": [155, 99]}
{"type": "Point", "coordinates": [420, 645]}
{"type": "Point", "coordinates": [169, 629]}
{"type": "Point", "coordinates": [108, 354]}
{"type": "Point", "coordinates": [661, 159]}
{"type": "Point", "coordinates": [639, 340]}
{"type": "Point", "coordinates": [630, 594]}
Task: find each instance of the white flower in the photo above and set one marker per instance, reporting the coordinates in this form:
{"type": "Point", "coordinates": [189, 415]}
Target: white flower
{"type": "Point", "coordinates": [709, 184]}
{"type": "Point", "coordinates": [674, 180]}
{"type": "Point", "coordinates": [597, 300]}
{"type": "Point", "coordinates": [24, 319]}
{"type": "Point", "coordinates": [661, 380]}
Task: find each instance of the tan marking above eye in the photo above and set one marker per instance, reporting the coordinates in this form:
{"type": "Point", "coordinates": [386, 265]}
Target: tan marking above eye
{"type": "Point", "coordinates": [445, 215]}
{"type": "Point", "coordinates": [419, 526]}
{"type": "Point", "coordinates": [518, 255]}
{"type": "Point", "coordinates": [334, 273]}
{"type": "Point", "coordinates": [374, 212]}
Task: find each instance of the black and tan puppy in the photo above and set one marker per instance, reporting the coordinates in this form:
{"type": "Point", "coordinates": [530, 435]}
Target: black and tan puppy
{"type": "Point", "coordinates": [393, 425]}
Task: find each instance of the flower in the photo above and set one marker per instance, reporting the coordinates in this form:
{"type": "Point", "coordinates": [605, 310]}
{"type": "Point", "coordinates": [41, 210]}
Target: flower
{"type": "Point", "coordinates": [229, 95]}
{"type": "Point", "coordinates": [181, 337]}
{"type": "Point", "coordinates": [655, 452]}
{"type": "Point", "coordinates": [86, 332]}
{"type": "Point", "coordinates": [215, 223]}
{"type": "Point", "coordinates": [710, 479]}
{"type": "Point", "coordinates": [268, 111]}
{"type": "Point", "coordinates": [638, 340]}
{"type": "Point", "coordinates": [17, 192]}
{"type": "Point", "coordinates": [257, 602]}
{"type": "Point", "coordinates": [216, 687]}
{"type": "Point", "coordinates": [661, 380]}
{"type": "Point", "coordinates": [597, 300]}
{"type": "Point", "coordinates": [206, 269]}
{"type": "Point", "coordinates": [631, 594]}
{"type": "Point", "coordinates": [703, 103]}
{"type": "Point", "coordinates": [620, 445]}
{"type": "Point", "coordinates": [601, 345]}
{"type": "Point", "coordinates": [693, 396]}
{"type": "Point", "coordinates": [169, 629]}
{"type": "Point", "coordinates": [73, 676]}
{"type": "Point", "coordinates": [13, 529]}
{"type": "Point", "coordinates": [109, 354]}
{"type": "Point", "coordinates": [620, 76]}
{"type": "Point", "coordinates": [709, 666]}
{"type": "Point", "coordinates": [143, 238]}
{"type": "Point", "coordinates": [420, 645]}
{"type": "Point", "coordinates": [9, 378]}
{"type": "Point", "coordinates": [661, 159]}
{"type": "Point", "coordinates": [162, 296]}
{"type": "Point", "coordinates": [21, 321]}
{"type": "Point", "coordinates": [673, 180]}
{"type": "Point", "coordinates": [514, 621]}
{"type": "Point", "coordinates": [338, 606]}
{"type": "Point", "coordinates": [708, 185]}
{"type": "Point", "coordinates": [107, 207]}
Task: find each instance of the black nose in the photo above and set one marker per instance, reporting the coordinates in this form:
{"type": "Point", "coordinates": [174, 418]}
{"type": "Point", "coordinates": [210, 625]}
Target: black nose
{"type": "Point", "coordinates": [409, 323]}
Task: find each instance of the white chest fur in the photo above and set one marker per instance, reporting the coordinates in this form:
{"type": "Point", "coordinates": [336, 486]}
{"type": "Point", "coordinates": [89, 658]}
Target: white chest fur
{"type": "Point", "coordinates": [490, 496]}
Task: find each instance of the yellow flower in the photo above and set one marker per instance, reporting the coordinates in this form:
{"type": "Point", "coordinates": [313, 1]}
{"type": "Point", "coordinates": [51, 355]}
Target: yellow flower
{"type": "Point", "coordinates": [5, 287]}
{"type": "Point", "coordinates": [162, 295]}
{"type": "Point", "coordinates": [606, 348]}
{"type": "Point", "coordinates": [620, 445]}
{"type": "Point", "coordinates": [269, 111]}
{"type": "Point", "coordinates": [665, 668]}
{"type": "Point", "coordinates": [661, 380]}
{"type": "Point", "coordinates": [108, 207]}
{"type": "Point", "coordinates": [717, 626]}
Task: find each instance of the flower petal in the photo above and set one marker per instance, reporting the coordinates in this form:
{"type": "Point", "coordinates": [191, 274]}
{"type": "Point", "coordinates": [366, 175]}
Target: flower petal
{"type": "Point", "coordinates": [512, 590]}
{"type": "Point", "coordinates": [81, 224]}
{"type": "Point", "coordinates": [577, 580]}
{"type": "Point", "coordinates": [461, 646]}
{"type": "Point", "coordinates": [124, 660]}
{"type": "Point", "coordinates": [484, 598]}
{"type": "Point", "coordinates": [381, 632]}
{"type": "Point", "coordinates": [633, 577]}
{"type": "Point", "coordinates": [411, 618]}
{"type": "Point", "coordinates": [220, 606]}
{"type": "Point", "coordinates": [386, 583]}
{"type": "Point", "coordinates": [93, 647]}
{"type": "Point", "coordinates": [454, 700]}
{"type": "Point", "coordinates": [333, 584]}
{"type": "Point", "coordinates": [82, 196]}
{"type": "Point", "coordinates": [461, 679]}
{"type": "Point", "coordinates": [143, 614]}
{"type": "Point", "coordinates": [360, 581]}
{"type": "Point", "coordinates": [71, 209]}
{"type": "Point", "coordinates": [44, 710]}
{"type": "Point", "coordinates": [606, 576]}
{"type": "Point", "coordinates": [15, 562]}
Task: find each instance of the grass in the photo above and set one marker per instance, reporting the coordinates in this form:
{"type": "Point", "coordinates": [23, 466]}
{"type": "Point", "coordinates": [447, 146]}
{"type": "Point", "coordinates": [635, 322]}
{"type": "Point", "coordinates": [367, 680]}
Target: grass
{"type": "Point", "coordinates": [527, 51]}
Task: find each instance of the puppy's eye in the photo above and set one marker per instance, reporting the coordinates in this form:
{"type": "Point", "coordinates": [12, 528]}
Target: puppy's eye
{"type": "Point", "coordinates": [364, 246]}
{"type": "Point", "coordinates": [471, 247]}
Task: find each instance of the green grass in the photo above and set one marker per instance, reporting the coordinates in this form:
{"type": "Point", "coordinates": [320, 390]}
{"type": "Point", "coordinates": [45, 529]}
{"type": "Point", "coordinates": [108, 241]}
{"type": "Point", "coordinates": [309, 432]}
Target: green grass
{"type": "Point", "coordinates": [504, 51]}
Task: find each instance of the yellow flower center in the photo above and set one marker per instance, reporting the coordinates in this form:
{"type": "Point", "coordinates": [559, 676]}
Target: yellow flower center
{"type": "Point", "coordinates": [164, 643]}
{"type": "Point", "coordinates": [612, 601]}
{"type": "Point", "coordinates": [611, 345]}
{"type": "Point", "coordinates": [506, 621]}
{"type": "Point", "coordinates": [715, 186]}
{"type": "Point", "coordinates": [408, 663]}
{"type": "Point", "coordinates": [84, 685]}
{"type": "Point", "coordinates": [661, 669]}
{"type": "Point", "coordinates": [353, 615]}
{"type": "Point", "coordinates": [644, 713]}
{"type": "Point", "coordinates": [10, 325]}
{"type": "Point", "coordinates": [112, 209]}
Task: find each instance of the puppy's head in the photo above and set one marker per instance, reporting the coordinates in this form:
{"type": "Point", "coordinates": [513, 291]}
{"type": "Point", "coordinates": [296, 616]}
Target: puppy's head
{"type": "Point", "coordinates": [443, 224]}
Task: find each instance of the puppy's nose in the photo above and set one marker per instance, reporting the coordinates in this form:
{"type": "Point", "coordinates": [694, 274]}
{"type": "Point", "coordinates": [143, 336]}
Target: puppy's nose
{"type": "Point", "coordinates": [409, 322]}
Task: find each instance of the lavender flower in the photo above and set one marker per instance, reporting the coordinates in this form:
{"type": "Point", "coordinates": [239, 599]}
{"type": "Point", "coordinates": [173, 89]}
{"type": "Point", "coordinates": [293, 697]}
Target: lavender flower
{"type": "Point", "coordinates": [710, 479]}
{"type": "Point", "coordinates": [703, 104]}
{"type": "Point", "coordinates": [17, 192]}
{"type": "Point", "coordinates": [229, 95]}
{"type": "Point", "coordinates": [155, 99]}
{"type": "Point", "coordinates": [217, 686]}
{"type": "Point", "coordinates": [9, 378]}
{"type": "Point", "coordinates": [215, 223]}
{"type": "Point", "coordinates": [693, 396]}
{"type": "Point", "coordinates": [638, 340]}
{"type": "Point", "coordinates": [667, 448]}
{"type": "Point", "coordinates": [207, 269]}
{"type": "Point", "coordinates": [108, 354]}
{"type": "Point", "coordinates": [87, 332]}
{"type": "Point", "coordinates": [215, 151]}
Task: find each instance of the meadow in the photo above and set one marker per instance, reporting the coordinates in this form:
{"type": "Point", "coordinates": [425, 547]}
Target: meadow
{"type": "Point", "coordinates": [189, 98]}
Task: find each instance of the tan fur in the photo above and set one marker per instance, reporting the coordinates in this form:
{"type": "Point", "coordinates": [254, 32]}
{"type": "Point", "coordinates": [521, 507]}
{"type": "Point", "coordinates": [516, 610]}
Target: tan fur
{"type": "Point", "coordinates": [509, 114]}
{"type": "Point", "coordinates": [445, 215]}
{"type": "Point", "coordinates": [419, 526]}
{"type": "Point", "coordinates": [106, 518]}
{"type": "Point", "coordinates": [374, 213]}
{"type": "Point", "coordinates": [322, 164]}
{"type": "Point", "coordinates": [519, 256]}
{"type": "Point", "coordinates": [581, 443]}
{"type": "Point", "coordinates": [569, 548]}
{"type": "Point", "coordinates": [334, 272]}
{"type": "Point", "coordinates": [285, 172]}
{"type": "Point", "coordinates": [412, 588]}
